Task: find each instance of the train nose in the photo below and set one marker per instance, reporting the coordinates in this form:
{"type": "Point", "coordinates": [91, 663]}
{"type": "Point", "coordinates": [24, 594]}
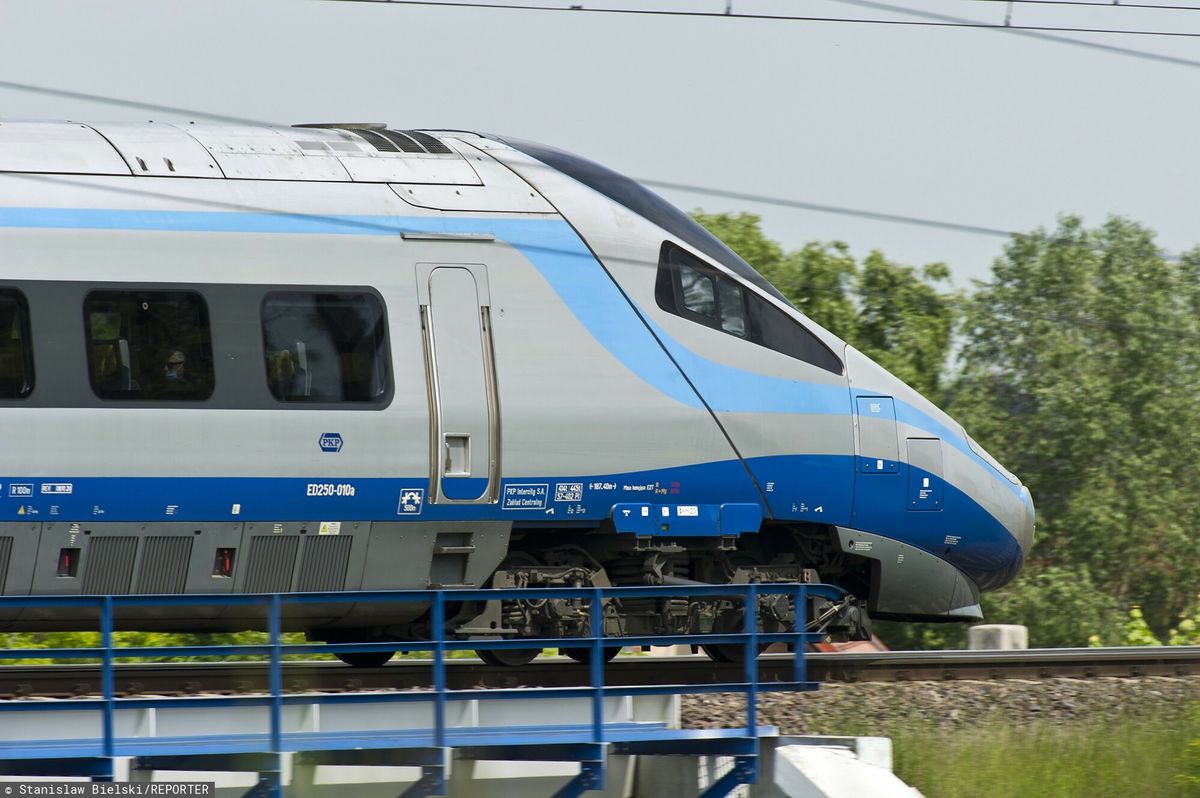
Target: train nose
{"type": "Point", "coordinates": [1027, 522]}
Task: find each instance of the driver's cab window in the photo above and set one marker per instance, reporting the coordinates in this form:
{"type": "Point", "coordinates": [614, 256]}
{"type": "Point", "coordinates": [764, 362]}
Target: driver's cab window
{"type": "Point", "coordinates": [692, 289]}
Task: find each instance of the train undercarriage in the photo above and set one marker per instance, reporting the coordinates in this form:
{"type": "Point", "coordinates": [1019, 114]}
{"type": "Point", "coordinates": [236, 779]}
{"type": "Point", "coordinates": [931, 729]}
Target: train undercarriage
{"type": "Point", "coordinates": [597, 558]}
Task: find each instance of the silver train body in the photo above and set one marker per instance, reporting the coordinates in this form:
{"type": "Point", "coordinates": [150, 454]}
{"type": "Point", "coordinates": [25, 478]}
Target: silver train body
{"type": "Point", "coordinates": [541, 367]}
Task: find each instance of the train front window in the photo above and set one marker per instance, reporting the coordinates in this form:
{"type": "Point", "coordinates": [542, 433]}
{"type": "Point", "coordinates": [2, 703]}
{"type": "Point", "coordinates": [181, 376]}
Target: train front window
{"type": "Point", "coordinates": [690, 288]}
{"type": "Point", "coordinates": [16, 353]}
{"type": "Point", "coordinates": [149, 345]}
{"type": "Point", "coordinates": [325, 347]}
{"type": "Point", "coordinates": [698, 294]}
{"type": "Point", "coordinates": [733, 308]}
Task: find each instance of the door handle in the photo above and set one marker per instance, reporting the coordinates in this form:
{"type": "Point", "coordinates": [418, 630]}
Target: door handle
{"type": "Point", "coordinates": [457, 455]}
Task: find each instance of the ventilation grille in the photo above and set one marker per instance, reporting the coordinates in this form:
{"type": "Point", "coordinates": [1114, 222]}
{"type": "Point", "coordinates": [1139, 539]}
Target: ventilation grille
{"type": "Point", "coordinates": [429, 142]}
{"type": "Point", "coordinates": [5, 554]}
{"type": "Point", "coordinates": [109, 566]}
{"type": "Point", "coordinates": [377, 141]}
{"type": "Point", "coordinates": [405, 143]}
{"type": "Point", "coordinates": [326, 559]}
{"type": "Point", "coordinates": [412, 141]}
{"type": "Point", "coordinates": [164, 564]}
{"type": "Point", "coordinates": [272, 560]}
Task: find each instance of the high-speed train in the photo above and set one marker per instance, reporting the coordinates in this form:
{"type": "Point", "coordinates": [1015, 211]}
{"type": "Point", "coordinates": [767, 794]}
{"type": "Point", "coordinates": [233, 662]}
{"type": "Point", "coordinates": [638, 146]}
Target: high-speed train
{"type": "Point", "coordinates": [347, 357]}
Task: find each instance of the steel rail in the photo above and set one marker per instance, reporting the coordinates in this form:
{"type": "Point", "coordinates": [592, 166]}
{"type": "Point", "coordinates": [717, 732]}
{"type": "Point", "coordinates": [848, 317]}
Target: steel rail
{"type": "Point", "coordinates": [17, 681]}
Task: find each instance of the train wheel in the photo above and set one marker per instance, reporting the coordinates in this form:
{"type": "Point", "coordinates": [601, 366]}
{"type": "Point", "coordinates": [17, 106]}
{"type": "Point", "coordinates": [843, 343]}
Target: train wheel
{"type": "Point", "coordinates": [366, 659]}
{"type": "Point", "coordinates": [508, 657]}
{"type": "Point", "coordinates": [584, 655]}
{"type": "Point", "coordinates": [729, 621]}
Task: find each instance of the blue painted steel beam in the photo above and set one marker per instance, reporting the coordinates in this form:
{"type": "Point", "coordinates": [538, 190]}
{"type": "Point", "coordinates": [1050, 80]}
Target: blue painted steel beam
{"type": "Point", "coordinates": [231, 763]}
{"type": "Point", "coordinates": [590, 777]}
{"type": "Point", "coordinates": [688, 746]}
{"type": "Point", "coordinates": [432, 782]}
{"type": "Point", "coordinates": [72, 767]}
{"type": "Point", "coordinates": [374, 757]}
{"type": "Point", "coordinates": [427, 748]}
{"type": "Point", "coordinates": [744, 771]}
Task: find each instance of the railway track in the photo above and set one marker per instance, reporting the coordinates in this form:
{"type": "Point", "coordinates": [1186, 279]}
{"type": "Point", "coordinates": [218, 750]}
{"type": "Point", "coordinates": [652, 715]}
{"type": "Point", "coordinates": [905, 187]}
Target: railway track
{"type": "Point", "coordinates": [58, 681]}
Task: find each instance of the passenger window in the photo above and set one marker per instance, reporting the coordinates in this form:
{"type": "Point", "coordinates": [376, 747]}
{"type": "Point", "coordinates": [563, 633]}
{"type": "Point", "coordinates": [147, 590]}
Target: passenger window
{"type": "Point", "coordinates": [150, 345]}
{"type": "Point", "coordinates": [325, 347]}
{"type": "Point", "coordinates": [689, 287]}
{"type": "Point", "coordinates": [16, 350]}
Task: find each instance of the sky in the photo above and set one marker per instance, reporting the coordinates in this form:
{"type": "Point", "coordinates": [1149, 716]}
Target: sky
{"type": "Point", "coordinates": [990, 128]}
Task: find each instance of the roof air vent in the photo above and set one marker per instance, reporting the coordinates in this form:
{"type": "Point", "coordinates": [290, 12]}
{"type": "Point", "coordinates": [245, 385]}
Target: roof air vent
{"type": "Point", "coordinates": [376, 140]}
{"type": "Point", "coordinates": [405, 143]}
{"type": "Point", "coordinates": [431, 144]}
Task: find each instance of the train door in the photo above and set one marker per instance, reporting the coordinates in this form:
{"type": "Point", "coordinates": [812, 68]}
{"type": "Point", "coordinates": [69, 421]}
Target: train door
{"type": "Point", "coordinates": [877, 482]}
{"type": "Point", "coordinates": [461, 378]}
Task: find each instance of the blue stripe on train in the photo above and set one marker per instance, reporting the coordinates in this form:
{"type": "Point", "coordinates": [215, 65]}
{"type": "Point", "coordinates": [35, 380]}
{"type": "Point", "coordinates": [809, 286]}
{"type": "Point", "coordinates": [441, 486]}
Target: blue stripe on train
{"type": "Point", "coordinates": [983, 549]}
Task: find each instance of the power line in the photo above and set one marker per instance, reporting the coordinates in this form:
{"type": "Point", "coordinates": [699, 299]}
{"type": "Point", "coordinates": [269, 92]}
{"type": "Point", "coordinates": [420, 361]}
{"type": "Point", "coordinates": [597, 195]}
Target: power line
{"type": "Point", "coordinates": [121, 102]}
{"type": "Point", "coordinates": [818, 207]}
{"type": "Point", "coordinates": [1094, 4]}
{"type": "Point", "coordinates": [931, 21]}
{"type": "Point", "coordinates": [387, 229]}
{"type": "Point", "coordinates": [822, 208]}
{"type": "Point", "coordinates": [716, 192]}
{"type": "Point", "coordinates": [1042, 33]}
{"type": "Point", "coordinates": [1033, 32]}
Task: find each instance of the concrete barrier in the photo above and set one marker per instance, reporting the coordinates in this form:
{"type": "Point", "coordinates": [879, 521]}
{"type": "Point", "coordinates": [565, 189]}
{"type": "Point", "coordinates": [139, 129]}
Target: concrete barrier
{"type": "Point", "coordinates": [997, 636]}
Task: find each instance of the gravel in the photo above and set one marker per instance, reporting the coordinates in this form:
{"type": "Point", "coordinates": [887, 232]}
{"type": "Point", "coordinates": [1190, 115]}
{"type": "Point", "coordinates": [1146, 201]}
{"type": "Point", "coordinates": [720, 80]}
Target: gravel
{"type": "Point", "coordinates": [842, 708]}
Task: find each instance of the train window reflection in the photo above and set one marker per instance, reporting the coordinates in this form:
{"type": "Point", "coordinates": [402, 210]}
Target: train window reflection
{"type": "Point", "coordinates": [149, 345]}
{"type": "Point", "coordinates": [16, 353]}
{"type": "Point", "coordinates": [325, 347]}
{"type": "Point", "coordinates": [733, 308]}
{"type": "Point", "coordinates": [698, 294]}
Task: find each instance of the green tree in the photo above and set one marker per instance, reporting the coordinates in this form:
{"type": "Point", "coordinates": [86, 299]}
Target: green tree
{"type": "Point", "coordinates": [906, 321]}
{"type": "Point", "coordinates": [1079, 372]}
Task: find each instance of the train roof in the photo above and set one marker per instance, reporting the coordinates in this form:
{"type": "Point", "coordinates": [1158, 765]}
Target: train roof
{"type": "Point", "coordinates": [338, 152]}
{"type": "Point", "coordinates": [358, 153]}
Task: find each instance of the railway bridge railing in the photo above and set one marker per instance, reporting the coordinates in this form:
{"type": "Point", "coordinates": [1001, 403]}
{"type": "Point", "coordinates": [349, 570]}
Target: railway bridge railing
{"type": "Point", "coordinates": [255, 730]}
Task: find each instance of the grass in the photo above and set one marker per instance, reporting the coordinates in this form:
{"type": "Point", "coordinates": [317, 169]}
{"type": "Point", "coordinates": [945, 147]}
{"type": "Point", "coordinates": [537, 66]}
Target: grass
{"type": "Point", "coordinates": [1141, 757]}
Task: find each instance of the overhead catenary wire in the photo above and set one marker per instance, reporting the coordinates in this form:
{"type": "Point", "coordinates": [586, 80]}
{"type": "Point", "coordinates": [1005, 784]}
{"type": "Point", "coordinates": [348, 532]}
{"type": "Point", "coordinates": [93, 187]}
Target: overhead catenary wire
{"type": "Point", "coordinates": [1030, 32]}
{"type": "Point", "coordinates": [1074, 320]}
{"type": "Point", "coordinates": [122, 102]}
{"type": "Point", "coordinates": [761, 199]}
{"type": "Point", "coordinates": [693, 189]}
{"type": "Point", "coordinates": [835, 209]}
{"type": "Point", "coordinates": [934, 20]}
{"type": "Point", "coordinates": [1119, 4]}
{"type": "Point", "coordinates": [931, 21]}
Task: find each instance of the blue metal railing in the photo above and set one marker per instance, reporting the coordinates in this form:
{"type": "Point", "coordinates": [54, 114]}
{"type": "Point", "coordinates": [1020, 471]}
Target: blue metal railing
{"type": "Point", "coordinates": [274, 606]}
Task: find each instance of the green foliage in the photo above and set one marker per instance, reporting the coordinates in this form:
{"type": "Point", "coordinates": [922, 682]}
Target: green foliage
{"type": "Point", "coordinates": [46, 640]}
{"type": "Point", "coordinates": [1079, 373]}
{"type": "Point", "coordinates": [742, 234]}
{"type": "Point", "coordinates": [1186, 631]}
{"type": "Point", "coordinates": [1137, 632]}
{"type": "Point", "coordinates": [1149, 758]}
{"type": "Point", "coordinates": [1060, 607]}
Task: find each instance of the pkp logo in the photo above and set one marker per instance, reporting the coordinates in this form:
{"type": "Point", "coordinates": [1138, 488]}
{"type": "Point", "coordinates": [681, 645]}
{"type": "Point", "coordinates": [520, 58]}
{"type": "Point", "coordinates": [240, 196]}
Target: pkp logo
{"type": "Point", "coordinates": [331, 442]}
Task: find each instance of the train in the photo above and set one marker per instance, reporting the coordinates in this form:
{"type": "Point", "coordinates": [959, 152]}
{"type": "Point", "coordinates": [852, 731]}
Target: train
{"type": "Point", "coordinates": [344, 358]}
